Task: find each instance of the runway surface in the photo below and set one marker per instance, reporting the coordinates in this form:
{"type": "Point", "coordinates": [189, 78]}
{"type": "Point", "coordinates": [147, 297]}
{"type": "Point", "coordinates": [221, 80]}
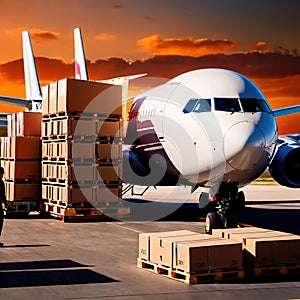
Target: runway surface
{"type": "Point", "coordinates": [49, 259]}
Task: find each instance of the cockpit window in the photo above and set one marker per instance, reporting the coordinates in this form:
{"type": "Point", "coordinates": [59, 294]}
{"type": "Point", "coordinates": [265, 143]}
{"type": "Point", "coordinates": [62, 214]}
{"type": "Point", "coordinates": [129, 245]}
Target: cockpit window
{"type": "Point", "coordinates": [189, 106]}
{"type": "Point", "coordinates": [254, 105]}
{"type": "Point", "coordinates": [250, 105]}
{"type": "Point", "coordinates": [203, 105]}
{"type": "Point", "coordinates": [198, 105]}
{"type": "Point", "coordinates": [227, 104]}
{"type": "Point", "coordinates": [264, 106]}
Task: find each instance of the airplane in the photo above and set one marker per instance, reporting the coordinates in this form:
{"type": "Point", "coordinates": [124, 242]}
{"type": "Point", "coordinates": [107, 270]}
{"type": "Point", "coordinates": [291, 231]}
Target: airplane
{"type": "Point", "coordinates": [210, 128]}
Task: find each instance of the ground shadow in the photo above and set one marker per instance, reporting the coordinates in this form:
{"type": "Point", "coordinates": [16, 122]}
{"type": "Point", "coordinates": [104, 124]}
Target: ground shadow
{"type": "Point", "coordinates": [47, 273]}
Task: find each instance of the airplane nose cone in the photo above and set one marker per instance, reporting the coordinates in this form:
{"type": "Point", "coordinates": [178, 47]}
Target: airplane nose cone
{"type": "Point", "coordinates": [244, 146]}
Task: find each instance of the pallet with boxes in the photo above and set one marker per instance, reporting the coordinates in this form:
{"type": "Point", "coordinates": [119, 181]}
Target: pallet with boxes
{"type": "Point", "coordinates": [190, 257]}
{"type": "Point", "coordinates": [265, 252]}
{"type": "Point", "coordinates": [20, 158]}
{"type": "Point", "coordinates": [82, 150]}
{"type": "Point", "coordinates": [227, 254]}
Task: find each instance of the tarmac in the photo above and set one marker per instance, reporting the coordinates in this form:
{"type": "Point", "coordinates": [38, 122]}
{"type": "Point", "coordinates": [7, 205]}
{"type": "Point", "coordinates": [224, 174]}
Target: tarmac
{"type": "Point", "coordinates": [45, 258]}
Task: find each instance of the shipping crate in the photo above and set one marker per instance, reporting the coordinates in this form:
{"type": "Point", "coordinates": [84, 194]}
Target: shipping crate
{"type": "Point", "coordinates": [107, 195]}
{"type": "Point", "coordinates": [22, 191]}
{"type": "Point", "coordinates": [108, 151]}
{"type": "Point", "coordinates": [207, 255]}
{"type": "Point", "coordinates": [29, 124]}
{"type": "Point", "coordinates": [74, 95]}
{"type": "Point", "coordinates": [109, 128]}
{"type": "Point", "coordinates": [109, 173]}
{"type": "Point", "coordinates": [23, 170]}
{"type": "Point", "coordinates": [226, 233]}
{"type": "Point", "coordinates": [144, 240]}
{"type": "Point", "coordinates": [268, 249]}
{"type": "Point", "coordinates": [18, 147]}
{"type": "Point", "coordinates": [161, 248]}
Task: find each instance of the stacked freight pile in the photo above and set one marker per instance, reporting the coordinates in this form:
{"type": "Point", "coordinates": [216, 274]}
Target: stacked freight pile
{"type": "Point", "coordinates": [82, 149]}
{"type": "Point", "coordinates": [226, 254]}
{"type": "Point", "coordinates": [20, 158]}
{"type": "Point", "coordinates": [265, 252]}
{"type": "Point", "coordinates": [190, 257]}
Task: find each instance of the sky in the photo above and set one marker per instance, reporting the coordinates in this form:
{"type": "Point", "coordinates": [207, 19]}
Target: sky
{"type": "Point", "coordinates": [258, 38]}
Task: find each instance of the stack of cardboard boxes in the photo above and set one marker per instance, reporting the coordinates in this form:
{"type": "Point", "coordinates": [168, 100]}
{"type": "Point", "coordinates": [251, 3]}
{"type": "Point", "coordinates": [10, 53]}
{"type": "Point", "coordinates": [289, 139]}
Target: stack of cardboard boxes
{"type": "Point", "coordinates": [20, 158]}
{"type": "Point", "coordinates": [263, 247]}
{"type": "Point", "coordinates": [191, 255]}
{"type": "Point", "coordinates": [81, 147]}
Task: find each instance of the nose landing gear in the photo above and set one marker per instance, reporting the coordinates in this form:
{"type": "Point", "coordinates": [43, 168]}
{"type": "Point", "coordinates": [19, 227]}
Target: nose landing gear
{"type": "Point", "coordinates": [228, 202]}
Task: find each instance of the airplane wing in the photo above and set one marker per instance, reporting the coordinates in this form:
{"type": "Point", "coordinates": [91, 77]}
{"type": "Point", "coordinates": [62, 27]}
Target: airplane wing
{"type": "Point", "coordinates": [279, 112]}
{"type": "Point", "coordinates": [15, 101]}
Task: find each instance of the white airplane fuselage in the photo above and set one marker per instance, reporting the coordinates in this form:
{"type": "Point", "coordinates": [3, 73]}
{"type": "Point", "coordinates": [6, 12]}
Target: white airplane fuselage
{"type": "Point", "coordinates": [209, 125]}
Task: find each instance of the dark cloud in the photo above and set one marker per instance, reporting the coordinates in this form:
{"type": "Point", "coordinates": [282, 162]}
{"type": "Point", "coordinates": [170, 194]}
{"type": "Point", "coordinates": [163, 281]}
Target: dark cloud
{"type": "Point", "coordinates": [117, 6]}
{"type": "Point", "coordinates": [41, 35]}
{"type": "Point", "coordinates": [276, 74]}
{"type": "Point", "coordinates": [252, 64]}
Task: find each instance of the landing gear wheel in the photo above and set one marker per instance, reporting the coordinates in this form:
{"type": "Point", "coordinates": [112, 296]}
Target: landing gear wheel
{"type": "Point", "coordinates": [211, 222]}
{"type": "Point", "coordinates": [240, 200]}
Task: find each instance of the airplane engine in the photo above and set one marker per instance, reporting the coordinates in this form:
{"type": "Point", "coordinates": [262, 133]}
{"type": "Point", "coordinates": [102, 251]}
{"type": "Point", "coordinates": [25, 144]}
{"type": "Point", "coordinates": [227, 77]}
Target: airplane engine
{"type": "Point", "coordinates": [285, 166]}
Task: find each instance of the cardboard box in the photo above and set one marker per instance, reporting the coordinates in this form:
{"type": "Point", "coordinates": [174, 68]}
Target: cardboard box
{"type": "Point", "coordinates": [85, 172]}
{"type": "Point", "coordinates": [109, 173]}
{"type": "Point", "coordinates": [106, 195]}
{"type": "Point", "coordinates": [161, 248]}
{"type": "Point", "coordinates": [29, 123]}
{"type": "Point", "coordinates": [45, 103]}
{"type": "Point", "coordinates": [84, 127]}
{"type": "Point", "coordinates": [20, 191]}
{"type": "Point", "coordinates": [74, 96]}
{"type": "Point", "coordinates": [75, 150]}
{"type": "Point", "coordinates": [75, 195]}
{"type": "Point", "coordinates": [109, 128]}
{"type": "Point", "coordinates": [225, 233]}
{"type": "Point", "coordinates": [109, 151]}
{"type": "Point", "coordinates": [53, 99]}
{"type": "Point", "coordinates": [23, 147]}
{"type": "Point", "coordinates": [271, 249]}
{"type": "Point", "coordinates": [24, 170]}
{"type": "Point", "coordinates": [207, 255]}
{"type": "Point", "coordinates": [144, 240]}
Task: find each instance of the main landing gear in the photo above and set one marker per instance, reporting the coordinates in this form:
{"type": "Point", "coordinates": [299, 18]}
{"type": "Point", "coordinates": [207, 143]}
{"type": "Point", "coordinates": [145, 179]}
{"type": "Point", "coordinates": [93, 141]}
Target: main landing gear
{"type": "Point", "coordinates": [225, 206]}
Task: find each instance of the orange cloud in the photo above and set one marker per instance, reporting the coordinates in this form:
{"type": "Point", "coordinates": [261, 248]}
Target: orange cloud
{"type": "Point", "coordinates": [186, 46]}
{"type": "Point", "coordinates": [260, 46]}
{"type": "Point", "coordinates": [105, 36]}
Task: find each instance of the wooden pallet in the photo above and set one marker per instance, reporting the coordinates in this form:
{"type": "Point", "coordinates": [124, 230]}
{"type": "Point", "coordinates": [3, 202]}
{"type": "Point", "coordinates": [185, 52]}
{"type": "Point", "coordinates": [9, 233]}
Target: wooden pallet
{"type": "Point", "coordinates": [289, 269]}
{"type": "Point", "coordinates": [208, 276]}
{"type": "Point", "coordinates": [84, 213]}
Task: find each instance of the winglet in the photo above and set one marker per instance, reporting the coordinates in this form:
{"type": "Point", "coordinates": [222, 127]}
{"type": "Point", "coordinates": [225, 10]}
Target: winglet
{"type": "Point", "coordinates": [32, 84]}
{"type": "Point", "coordinates": [80, 64]}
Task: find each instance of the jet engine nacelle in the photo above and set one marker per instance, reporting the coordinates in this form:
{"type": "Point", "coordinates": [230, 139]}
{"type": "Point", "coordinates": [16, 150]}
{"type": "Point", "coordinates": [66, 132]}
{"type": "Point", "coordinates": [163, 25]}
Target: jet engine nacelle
{"type": "Point", "coordinates": [285, 166]}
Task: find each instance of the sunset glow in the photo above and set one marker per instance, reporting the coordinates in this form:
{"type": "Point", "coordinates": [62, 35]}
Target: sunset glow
{"type": "Point", "coordinates": [161, 38]}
